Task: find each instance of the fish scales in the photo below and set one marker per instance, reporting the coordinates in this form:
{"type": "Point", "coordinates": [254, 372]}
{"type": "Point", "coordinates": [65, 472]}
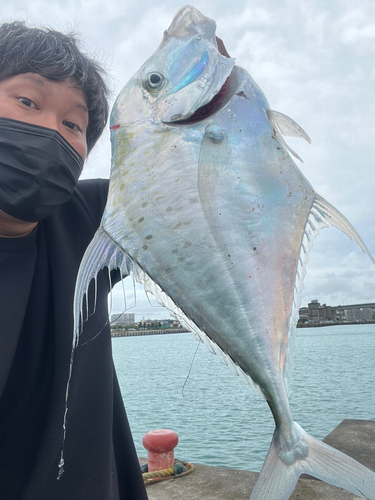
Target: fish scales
{"type": "Point", "coordinates": [207, 207]}
{"type": "Point", "coordinates": [187, 219]}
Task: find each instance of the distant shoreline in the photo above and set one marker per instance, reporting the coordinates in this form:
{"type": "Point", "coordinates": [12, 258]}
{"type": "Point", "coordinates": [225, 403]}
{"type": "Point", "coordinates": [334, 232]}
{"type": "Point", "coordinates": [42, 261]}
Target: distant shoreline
{"type": "Point", "coordinates": [161, 331]}
{"type": "Point", "coordinates": [318, 325]}
{"type": "Point", "coordinates": [140, 333]}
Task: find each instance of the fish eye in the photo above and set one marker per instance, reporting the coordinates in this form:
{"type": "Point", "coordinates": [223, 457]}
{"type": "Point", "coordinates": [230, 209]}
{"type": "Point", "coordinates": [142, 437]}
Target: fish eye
{"type": "Point", "coordinates": [154, 80]}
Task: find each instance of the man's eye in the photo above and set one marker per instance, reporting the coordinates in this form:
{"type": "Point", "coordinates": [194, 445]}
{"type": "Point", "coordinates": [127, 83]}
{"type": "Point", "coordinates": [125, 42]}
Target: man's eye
{"type": "Point", "coordinates": [72, 126]}
{"type": "Point", "coordinates": [27, 102]}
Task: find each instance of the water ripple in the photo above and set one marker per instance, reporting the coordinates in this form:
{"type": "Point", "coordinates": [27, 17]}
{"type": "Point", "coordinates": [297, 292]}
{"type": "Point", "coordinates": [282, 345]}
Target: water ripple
{"type": "Point", "coordinates": [223, 422]}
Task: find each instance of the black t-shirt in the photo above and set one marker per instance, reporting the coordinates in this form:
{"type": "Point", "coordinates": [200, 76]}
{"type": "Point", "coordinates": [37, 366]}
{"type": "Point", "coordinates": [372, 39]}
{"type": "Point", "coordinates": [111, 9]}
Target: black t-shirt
{"type": "Point", "coordinates": [37, 279]}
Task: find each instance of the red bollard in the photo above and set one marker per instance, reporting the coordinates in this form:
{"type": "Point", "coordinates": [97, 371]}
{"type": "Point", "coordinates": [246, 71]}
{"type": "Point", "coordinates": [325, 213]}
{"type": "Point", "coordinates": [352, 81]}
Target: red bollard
{"type": "Point", "coordinates": [160, 445]}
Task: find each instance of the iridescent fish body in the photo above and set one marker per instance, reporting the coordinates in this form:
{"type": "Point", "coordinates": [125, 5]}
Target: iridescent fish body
{"type": "Point", "coordinates": [207, 208]}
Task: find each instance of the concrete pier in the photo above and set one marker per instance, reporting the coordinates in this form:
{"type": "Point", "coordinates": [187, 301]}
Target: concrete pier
{"type": "Point", "coordinates": [139, 333]}
{"type": "Point", "coordinates": [356, 438]}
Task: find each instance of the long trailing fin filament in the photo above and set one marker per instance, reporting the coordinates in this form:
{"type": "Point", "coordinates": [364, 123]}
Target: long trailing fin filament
{"type": "Point", "coordinates": [102, 252]}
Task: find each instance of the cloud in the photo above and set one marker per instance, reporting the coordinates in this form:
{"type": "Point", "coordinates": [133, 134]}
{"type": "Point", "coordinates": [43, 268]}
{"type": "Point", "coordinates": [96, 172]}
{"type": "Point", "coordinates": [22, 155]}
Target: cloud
{"type": "Point", "coordinates": [358, 28]}
{"type": "Point", "coordinates": [313, 60]}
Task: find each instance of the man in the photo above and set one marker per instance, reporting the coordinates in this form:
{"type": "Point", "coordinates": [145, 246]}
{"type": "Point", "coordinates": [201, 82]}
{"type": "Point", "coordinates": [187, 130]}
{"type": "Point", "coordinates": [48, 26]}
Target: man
{"type": "Point", "coordinates": [53, 108]}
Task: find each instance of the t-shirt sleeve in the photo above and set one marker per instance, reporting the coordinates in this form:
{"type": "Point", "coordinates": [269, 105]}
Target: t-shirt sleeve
{"type": "Point", "coordinates": [92, 195]}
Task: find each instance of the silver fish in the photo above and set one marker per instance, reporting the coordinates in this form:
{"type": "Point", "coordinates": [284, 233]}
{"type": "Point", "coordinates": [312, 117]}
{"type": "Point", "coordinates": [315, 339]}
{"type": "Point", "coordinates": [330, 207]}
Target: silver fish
{"type": "Point", "coordinates": [207, 208]}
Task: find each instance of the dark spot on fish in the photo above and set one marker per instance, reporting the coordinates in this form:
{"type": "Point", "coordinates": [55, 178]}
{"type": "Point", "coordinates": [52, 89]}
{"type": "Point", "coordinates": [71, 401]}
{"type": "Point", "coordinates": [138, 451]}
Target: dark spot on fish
{"type": "Point", "coordinates": [169, 209]}
{"type": "Point", "coordinates": [175, 250]}
{"type": "Point", "coordinates": [144, 204]}
{"type": "Point", "coordinates": [148, 237]}
{"type": "Point", "coordinates": [242, 94]}
{"type": "Point", "coordinates": [187, 244]}
{"type": "Point", "coordinates": [254, 248]}
{"type": "Point", "coordinates": [181, 259]}
{"type": "Point", "coordinates": [145, 247]}
{"type": "Point", "coordinates": [158, 198]}
{"type": "Point", "coordinates": [141, 219]}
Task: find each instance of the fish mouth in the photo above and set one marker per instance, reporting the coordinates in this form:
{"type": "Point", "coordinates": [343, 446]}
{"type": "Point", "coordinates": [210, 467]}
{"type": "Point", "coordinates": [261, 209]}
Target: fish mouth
{"type": "Point", "coordinates": [218, 102]}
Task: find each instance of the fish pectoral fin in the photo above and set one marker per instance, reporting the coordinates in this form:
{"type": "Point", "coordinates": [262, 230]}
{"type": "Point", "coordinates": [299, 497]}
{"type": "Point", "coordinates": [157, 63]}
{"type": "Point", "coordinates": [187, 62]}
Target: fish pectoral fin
{"type": "Point", "coordinates": [326, 214]}
{"type": "Point", "coordinates": [283, 125]}
{"type": "Point", "coordinates": [291, 151]}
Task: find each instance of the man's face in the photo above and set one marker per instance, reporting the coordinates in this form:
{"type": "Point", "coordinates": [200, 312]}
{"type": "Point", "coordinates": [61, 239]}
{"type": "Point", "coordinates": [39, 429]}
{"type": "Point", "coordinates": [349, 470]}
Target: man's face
{"type": "Point", "coordinates": [61, 106]}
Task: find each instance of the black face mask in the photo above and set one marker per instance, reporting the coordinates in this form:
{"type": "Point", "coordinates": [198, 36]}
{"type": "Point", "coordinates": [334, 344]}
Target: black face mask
{"type": "Point", "coordinates": [39, 170]}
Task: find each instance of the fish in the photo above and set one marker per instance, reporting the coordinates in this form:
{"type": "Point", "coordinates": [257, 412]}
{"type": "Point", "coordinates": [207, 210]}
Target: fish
{"type": "Point", "coordinates": [207, 209]}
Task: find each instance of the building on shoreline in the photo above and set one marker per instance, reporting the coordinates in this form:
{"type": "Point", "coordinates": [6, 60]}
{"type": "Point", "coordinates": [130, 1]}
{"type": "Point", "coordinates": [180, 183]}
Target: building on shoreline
{"type": "Point", "coordinates": [124, 319]}
{"type": "Point", "coordinates": [317, 313]}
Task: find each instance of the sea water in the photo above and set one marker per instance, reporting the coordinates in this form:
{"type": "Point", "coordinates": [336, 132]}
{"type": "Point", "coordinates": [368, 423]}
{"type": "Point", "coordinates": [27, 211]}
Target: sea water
{"type": "Point", "coordinates": [173, 382]}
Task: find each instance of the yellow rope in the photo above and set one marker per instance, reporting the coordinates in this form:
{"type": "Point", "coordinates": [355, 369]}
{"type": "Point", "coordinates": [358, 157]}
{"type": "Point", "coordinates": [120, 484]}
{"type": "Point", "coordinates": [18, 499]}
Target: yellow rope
{"type": "Point", "coordinates": [162, 475]}
{"type": "Point", "coordinates": [158, 473]}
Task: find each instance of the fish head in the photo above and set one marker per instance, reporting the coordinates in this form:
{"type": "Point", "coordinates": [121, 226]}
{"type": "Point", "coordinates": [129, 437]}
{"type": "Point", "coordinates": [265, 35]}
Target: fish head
{"type": "Point", "coordinates": [184, 74]}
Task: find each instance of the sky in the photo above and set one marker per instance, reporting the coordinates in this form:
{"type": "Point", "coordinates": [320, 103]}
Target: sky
{"type": "Point", "coordinates": [313, 59]}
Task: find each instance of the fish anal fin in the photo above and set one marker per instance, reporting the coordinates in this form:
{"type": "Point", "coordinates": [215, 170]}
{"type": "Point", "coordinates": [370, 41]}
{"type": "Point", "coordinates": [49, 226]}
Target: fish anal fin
{"type": "Point", "coordinates": [322, 214]}
{"type": "Point", "coordinates": [326, 214]}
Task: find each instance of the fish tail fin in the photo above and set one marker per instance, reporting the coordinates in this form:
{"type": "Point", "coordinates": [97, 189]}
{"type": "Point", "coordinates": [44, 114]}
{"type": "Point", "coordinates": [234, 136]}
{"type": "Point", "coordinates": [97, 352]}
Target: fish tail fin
{"type": "Point", "coordinates": [281, 470]}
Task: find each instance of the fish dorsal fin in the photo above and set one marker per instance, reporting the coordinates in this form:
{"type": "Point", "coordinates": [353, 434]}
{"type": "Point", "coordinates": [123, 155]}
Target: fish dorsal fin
{"type": "Point", "coordinates": [322, 214]}
{"type": "Point", "coordinates": [102, 252]}
{"type": "Point", "coordinates": [285, 126]}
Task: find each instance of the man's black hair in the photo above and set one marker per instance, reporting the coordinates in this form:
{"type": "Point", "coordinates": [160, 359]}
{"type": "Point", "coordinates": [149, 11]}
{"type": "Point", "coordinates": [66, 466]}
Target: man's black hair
{"type": "Point", "coordinates": [55, 56]}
